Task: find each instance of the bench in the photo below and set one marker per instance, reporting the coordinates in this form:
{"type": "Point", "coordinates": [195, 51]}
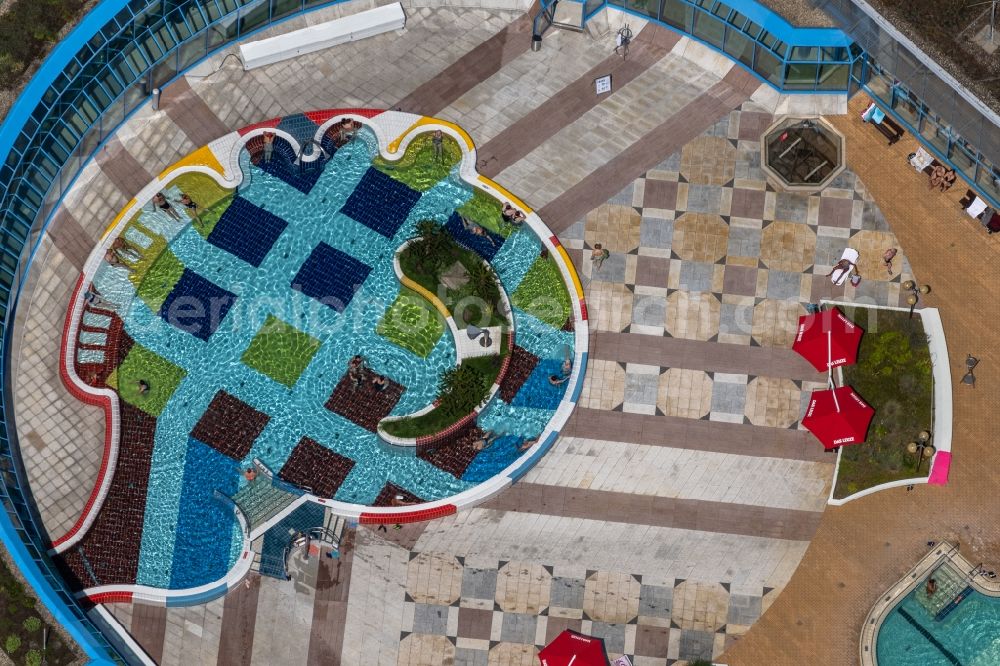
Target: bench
{"type": "Point", "coordinates": [324, 35]}
{"type": "Point", "coordinates": [889, 128]}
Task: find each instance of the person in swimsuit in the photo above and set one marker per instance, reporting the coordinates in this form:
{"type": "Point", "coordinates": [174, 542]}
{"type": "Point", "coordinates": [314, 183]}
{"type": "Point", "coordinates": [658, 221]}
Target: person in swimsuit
{"type": "Point", "coordinates": [949, 179]}
{"type": "Point", "coordinates": [486, 441]}
{"type": "Point", "coordinates": [160, 201]}
{"type": "Point", "coordinates": [190, 204]}
{"type": "Point", "coordinates": [438, 142]}
{"type": "Point", "coordinates": [380, 382]}
{"type": "Point", "coordinates": [477, 230]}
{"type": "Point", "coordinates": [268, 146]}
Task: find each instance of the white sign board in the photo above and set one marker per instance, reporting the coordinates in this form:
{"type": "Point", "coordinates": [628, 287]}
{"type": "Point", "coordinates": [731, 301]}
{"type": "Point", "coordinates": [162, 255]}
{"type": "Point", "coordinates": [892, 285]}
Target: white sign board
{"type": "Point", "coordinates": [602, 84]}
{"type": "Point", "coordinates": [622, 661]}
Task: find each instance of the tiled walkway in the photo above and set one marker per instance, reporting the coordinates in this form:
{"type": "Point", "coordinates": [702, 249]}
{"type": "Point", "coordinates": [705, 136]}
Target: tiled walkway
{"type": "Point", "coordinates": [682, 495]}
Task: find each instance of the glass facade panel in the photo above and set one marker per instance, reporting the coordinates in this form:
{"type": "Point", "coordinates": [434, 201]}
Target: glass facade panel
{"type": "Point", "coordinates": [904, 105]}
{"type": "Point", "coordinates": [282, 8]}
{"type": "Point", "coordinates": [678, 14]}
{"type": "Point", "coordinates": [768, 66]}
{"type": "Point", "coordinates": [739, 46]}
{"type": "Point", "coordinates": [962, 156]}
{"type": "Point", "coordinates": [801, 76]}
{"type": "Point", "coordinates": [833, 77]}
{"type": "Point", "coordinates": [709, 28]}
{"type": "Point", "coordinates": [935, 133]}
{"type": "Point", "coordinates": [647, 7]}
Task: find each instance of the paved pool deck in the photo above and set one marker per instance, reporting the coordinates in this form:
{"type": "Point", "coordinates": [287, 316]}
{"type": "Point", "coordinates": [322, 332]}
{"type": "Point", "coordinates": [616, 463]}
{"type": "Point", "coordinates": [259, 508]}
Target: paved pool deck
{"type": "Point", "coordinates": [683, 499]}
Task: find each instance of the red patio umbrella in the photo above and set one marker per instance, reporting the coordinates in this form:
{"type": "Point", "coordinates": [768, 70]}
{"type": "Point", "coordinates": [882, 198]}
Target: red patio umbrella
{"type": "Point", "coordinates": [828, 339]}
{"type": "Point", "coordinates": [838, 417]}
{"type": "Point", "coordinates": [574, 649]}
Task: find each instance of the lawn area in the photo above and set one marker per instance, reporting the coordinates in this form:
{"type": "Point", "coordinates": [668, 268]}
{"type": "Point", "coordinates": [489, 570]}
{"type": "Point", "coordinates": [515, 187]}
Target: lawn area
{"type": "Point", "coordinates": [21, 627]}
{"type": "Point", "coordinates": [418, 167]}
{"type": "Point", "coordinates": [893, 374]}
{"type": "Point", "coordinates": [460, 391]}
{"type": "Point", "coordinates": [280, 351]}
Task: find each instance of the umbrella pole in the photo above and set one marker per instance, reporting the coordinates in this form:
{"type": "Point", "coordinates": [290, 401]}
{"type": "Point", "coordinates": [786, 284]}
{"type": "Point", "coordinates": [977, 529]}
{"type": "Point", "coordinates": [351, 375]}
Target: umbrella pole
{"type": "Point", "coordinates": [829, 360]}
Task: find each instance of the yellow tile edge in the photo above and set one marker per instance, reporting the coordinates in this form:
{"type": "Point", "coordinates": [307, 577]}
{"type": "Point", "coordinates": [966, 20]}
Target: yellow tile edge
{"type": "Point", "coordinates": [434, 300]}
{"type": "Point", "coordinates": [394, 145]}
{"type": "Point", "coordinates": [201, 157]}
{"type": "Point", "coordinates": [128, 207]}
{"type": "Point", "coordinates": [572, 271]}
{"type": "Point", "coordinates": [507, 195]}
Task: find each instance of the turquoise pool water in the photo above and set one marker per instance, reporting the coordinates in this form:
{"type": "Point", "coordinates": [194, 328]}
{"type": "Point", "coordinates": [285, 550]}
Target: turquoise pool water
{"type": "Point", "coordinates": [969, 635]}
{"type": "Point", "coordinates": [188, 537]}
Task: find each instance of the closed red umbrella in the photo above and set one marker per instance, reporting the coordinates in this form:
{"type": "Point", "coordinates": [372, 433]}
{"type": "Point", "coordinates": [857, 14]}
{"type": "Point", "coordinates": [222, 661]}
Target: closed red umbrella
{"type": "Point", "coordinates": [838, 417]}
{"type": "Point", "coordinates": [828, 339]}
{"type": "Point", "coordinates": [574, 649]}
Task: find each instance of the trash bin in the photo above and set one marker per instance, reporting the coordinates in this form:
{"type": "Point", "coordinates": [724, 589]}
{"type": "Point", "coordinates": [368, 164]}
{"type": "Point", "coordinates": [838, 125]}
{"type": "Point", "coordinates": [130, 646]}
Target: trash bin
{"type": "Point", "coordinates": [536, 42]}
{"type": "Point", "coordinates": [156, 99]}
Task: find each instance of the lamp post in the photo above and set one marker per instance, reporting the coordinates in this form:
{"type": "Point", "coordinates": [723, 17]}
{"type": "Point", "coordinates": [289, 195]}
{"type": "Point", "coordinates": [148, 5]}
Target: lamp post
{"type": "Point", "coordinates": [915, 291]}
{"type": "Point", "coordinates": [922, 448]}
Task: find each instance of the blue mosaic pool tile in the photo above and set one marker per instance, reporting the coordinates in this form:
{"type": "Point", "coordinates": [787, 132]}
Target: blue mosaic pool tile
{"type": "Point", "coordinates": [485, 246]}
{"type": "Point", "coordinates": [493, 460]}
{"type": "Point", "coordinates": [196, 306]}
{"type": "Point", "coordinates": [247, 231]}
{"type": "Point", "coordinates": [537, 391]}
{"type": "Point", "coordinates": [380, 203]}
{"type": "Point", "coordinates": [283, 166]}
{"type": "Point", "coordinates": [331, 276]}
{"type": "Point", "coordinates": [299, 126]}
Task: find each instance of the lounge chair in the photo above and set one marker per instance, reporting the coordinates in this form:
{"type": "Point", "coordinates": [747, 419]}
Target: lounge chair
{"type": "Point", "coordinates": [839, 276]}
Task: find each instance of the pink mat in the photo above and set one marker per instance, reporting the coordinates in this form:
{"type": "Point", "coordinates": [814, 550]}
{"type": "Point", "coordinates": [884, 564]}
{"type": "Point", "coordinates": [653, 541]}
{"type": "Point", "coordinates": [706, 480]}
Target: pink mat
{"type": "Point", "coordinates": [939, 471]}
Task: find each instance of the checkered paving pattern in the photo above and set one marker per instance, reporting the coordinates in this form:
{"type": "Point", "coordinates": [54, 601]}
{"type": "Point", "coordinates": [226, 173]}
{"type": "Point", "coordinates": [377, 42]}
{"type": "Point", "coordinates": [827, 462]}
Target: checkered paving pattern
{"type": "Point", "coordinates": [316, 467]}
{"type": "Point", "coordinates": [331, 277]}
{"type": "Point", "coordinates": [196, 306]}
{"type": "Point", "coordinates": [380, 203]}
{"type": "Point", "coordinates": [485, 246]}
{"type": "Point", "coordinates": [364, 405]}
{"type": "Point", "coordinates": [485, 613]}
{"type": "Point", "coordinates": [247, 231]}
{"type": "Point", "coordinates": [230, 426]}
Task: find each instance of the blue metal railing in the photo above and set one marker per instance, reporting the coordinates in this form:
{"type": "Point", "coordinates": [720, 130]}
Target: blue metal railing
{"type": "Point", "coordinates": [92, 80]}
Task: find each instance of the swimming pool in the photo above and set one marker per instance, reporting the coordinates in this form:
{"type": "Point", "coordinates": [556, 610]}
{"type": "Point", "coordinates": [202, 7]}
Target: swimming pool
{"type": "Point", "coordinates": [232, 331]}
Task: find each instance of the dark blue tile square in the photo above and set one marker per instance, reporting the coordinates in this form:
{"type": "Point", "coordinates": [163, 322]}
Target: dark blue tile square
{"type": "Point", "coordinates": [380, 203]}
{"type": "Point", "coordinates": [485, 246]}
{"type": "Point", "coordinates": [247, 231]}
{"type": "Point", "coordinates": [331, 276]}
{"type": "Point", "coordinates": [196, 306]}
{"type": "Point", "coordinates": [283, 165]}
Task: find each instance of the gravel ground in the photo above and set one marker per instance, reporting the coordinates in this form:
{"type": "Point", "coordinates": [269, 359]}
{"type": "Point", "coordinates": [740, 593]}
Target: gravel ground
{"type": "Point", "coordinates": [800, 13]}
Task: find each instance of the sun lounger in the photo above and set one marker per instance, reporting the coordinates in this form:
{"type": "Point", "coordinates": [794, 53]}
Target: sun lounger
{"type": "Point", "coordinates": [839, 275]}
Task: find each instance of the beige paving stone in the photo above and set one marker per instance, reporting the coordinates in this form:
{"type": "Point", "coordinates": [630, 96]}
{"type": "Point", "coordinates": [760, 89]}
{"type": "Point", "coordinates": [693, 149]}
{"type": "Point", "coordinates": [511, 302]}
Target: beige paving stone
{"type": "Point", "coordinates": [700, 606]}
{"type": "Point", "coordinates": [686, 393]}
{"type": "Point", "coordinates": [871, 245]}
{"type": "Point", "coordinates": [700, 237]}
{"type": "Point", "coordinates": [773, 402]}
{"type": "Point", "coordinates": [788, 246]}
{"type": "Point", "coordinates": [611, 597]}
{"type": "Point", "coordinates": [434, 579]}
{"type": "Point", "coordinates": [513, 654]}
{"type": "Point", "coordinates": [603, 385]}
{"type": "Point", "coordinates": [523, 588]}
{"type": "Point", "coordinates": [615, 227]}
{"type": "Point", "coordinates": [425, 650]}
{"type": "Point", "coordinates": [692, 315]}
{"type": "Point", "coordinates": [775, 322]}
{"type": "Point", "coordinates": [609, 306]}
{"type": "Point", "coordinates": [708, 160]}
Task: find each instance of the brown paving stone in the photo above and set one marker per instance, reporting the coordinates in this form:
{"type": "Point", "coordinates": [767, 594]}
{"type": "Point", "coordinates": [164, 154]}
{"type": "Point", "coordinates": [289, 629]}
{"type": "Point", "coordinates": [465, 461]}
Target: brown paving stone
{"type": "Point", "coordinates": [333, 583]}
{"type": "Point", "coordinates": [835, 212]}
{"type": "Point", "coordinates": [121, 168]}
{"type": "Point", "coordinates": [314, 466]}
{"type": "Point", "coordinates": [665, 139]}
{"type": "Point", "coordinates": [747, 203]}
{"type": "Point", "coordinates": [230, 426]}
{"type": "Point", "coordinates": [865, 546]}
{"type": "Point", "coordinates": [479, 64]}
{"type": "Point", "coordinates": [474, 623]}
{"type": "Point", "coordinates": [684, 433]}
{"type": "Point", "coordinates": [557, 625]}
{"type": "Point", "coordinates": [190, 112]}
{"type": "Point", "coordinates": [753, 124]}
{"type": "Point", "coordinates": [239, 618]}
{"type": "Point", "coordinates": [651, 641]}
{"type": "Point", "coordinates": [570, 103]}
{"type": "Point", "coordinates": [657, 511]}
{"type": "Point", "coordinates": [659, 194]}
{"type": "Point", "coordinates": [740, 280]}
{"type": "Point", "coordinates": [149, 628]}
{"type": "Point", "coordinates": [651, 271]}
{"type": "Point", "coordinates": [364, 405]}
{"type": "Point", "coordinates": [70, 237]}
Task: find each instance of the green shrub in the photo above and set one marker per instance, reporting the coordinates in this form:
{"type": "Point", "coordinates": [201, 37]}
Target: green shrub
{"type": "Point", "coordinates": [32, 624]}
{"type": "Point", "coordinates": [33, 658]}
{"type": "Point", "coordinates": [11, 645]}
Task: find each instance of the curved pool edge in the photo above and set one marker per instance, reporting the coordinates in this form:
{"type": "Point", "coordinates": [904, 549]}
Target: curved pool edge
{"type": "Point", "coordinates": [219, 159]}
{"type": "Point", "coordinates": [939, 554]}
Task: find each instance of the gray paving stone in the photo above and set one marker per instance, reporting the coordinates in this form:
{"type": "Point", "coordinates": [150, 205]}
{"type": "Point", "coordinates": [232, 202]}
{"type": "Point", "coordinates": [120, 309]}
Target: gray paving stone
{"type": "Point", "coordinates": [566, 592]}
{"type": "Point", "coordinates": [656, 232]}
{"type": "Point", "coordinates": [612, 270]}
{"type": "Point", "coordinates": [696, 276]}
{"type": "Point", "coordinates": [518, 628]}
{"type": "Point", "coordinates": [743, 609]}
{"type": "Point", "coordinates": [641, 389]}
{"type": "Point", "coordinates": [649, 310]}
{"type": "Point", "coordinates": [783, 285]}
{"type": "Point", "coordinates": [479, 583]}
{"type": "Point", "coordinates": [470, 657]}
{"type": "Point", "coordinates": [655, 600]}
{"type": "Point", "coordinates": [704, 198]}
{"type": "Point", "coordinates": [696, 644]}
{"type": "Point", "coordinates": [744, 242]}
{"type": "Point", "coordinates": [613, 635]}
{"type": "Point", "coordinates": [735, 319]}
{"type": "Point", "coordinates": [791, 207]}
{"type": "Point", "coordinates": [729, 398]}
{"type": "Point", "coordinates": [430, 619]}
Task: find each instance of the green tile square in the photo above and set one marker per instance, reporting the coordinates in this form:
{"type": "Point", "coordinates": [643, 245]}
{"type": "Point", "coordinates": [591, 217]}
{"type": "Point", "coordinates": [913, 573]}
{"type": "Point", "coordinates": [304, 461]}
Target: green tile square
{"type": "Point", "coordinates": [543, 293]}
{"type": "Point", "coordinates": [162, 376]}
{"type": "Point", "coordinates": [412, 323]}
{"type": "Point", "coordinates": [280, 351]}
{"type": "Point", "coordinates": [160, 279]}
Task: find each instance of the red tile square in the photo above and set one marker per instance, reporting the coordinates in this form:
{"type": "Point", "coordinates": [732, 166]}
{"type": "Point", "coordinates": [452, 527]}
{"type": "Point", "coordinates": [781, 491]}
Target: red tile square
{"type": "Point", "coordinates": [230, 426]}
{"type": "Point", "coordinates": [316, 467]}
